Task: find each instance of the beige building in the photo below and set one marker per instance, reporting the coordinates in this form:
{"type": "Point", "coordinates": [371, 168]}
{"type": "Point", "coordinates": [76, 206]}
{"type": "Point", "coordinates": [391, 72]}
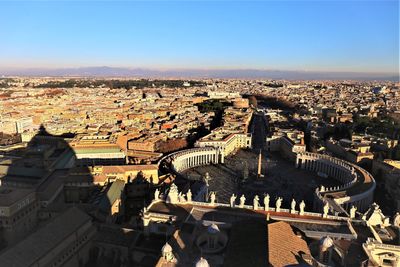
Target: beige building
{"type": "Point", "coordinates": [125, 172]}
{"type": "Point", "coordinates": [64, 241]}
{"type": "Point", "coordinates": [387, 173]}
{"type": "Point", "coordinates": [18, 214]}
{"type": "Point", "coordinates": [288, 143]}
{"type": "Point", "coordinates": [225, 142]}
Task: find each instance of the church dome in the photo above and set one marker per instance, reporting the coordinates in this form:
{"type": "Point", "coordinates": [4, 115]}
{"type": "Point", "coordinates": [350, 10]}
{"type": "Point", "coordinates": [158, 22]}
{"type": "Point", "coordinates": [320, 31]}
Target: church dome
{"type": "Point", "coordinates": [213, 229]}
{"type": "Point", "coordinates": [202, 263]}
{"type": "Point", "coordinates": [166, 248]}
{"type": "Point", "coordinates": [326, 242]}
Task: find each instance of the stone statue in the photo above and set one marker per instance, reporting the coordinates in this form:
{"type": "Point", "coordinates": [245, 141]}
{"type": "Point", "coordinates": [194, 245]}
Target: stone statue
{"type": "Point", "coordinates": [353, 212]}
{"type": "Point", "coordinates": [212, 198]}
{"type": "Point", "coordinates": [173, 194]}
{"type": "Point", "coordinates": [293, 206]}
{"type": "Point", "coordinates": [189, 196]}
{"type": "Point", "coordinates": [326, 210]}
{"type": "Point", "coordinates": [181, 197]}
{"type": "Point", "coordinates": [256, 204]}
{"type": "Point", "coordinates": [266, 202]}
{"type": "Point", "coordinates": [396, 220]}
{"type": "Point", "coordinates": [173, 188]}
{"type": "Point", "coordinates": [207, 178]}
{"type": "Point", "coordinates": [232, 200]}
{"type": "Point", "coordinates": [242, 200]}
{"type": "Point", "coordinates": [156, 194]}
{"type": "Point", "coordinates": [302, 206]}
{"type": "Point", "coordinates": [278, 204]}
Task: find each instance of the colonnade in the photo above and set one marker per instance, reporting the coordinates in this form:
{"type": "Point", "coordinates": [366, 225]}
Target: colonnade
{"type": "Point", "coordinates": [194, 157]}
{"type": "Point", "coordinates": [354, 190]}
{"type": "Point", "coordinates": [333, 167]}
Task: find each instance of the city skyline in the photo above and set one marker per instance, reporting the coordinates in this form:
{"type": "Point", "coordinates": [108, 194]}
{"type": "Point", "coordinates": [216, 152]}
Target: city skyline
{"type": "Point", "coordinates": [309, 36]}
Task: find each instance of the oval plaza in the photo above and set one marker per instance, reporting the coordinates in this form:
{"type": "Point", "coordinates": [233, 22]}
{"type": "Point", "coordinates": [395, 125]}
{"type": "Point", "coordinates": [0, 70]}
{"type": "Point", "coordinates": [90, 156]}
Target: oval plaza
{"type": "Point", "coordinates": [356, 184]}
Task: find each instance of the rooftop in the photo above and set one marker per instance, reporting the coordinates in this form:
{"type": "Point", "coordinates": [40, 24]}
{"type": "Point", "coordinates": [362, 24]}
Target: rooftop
{"type": "Point", "coordinates": [284, 246]}
{"type": "Point", "coordinates": [39, 244]}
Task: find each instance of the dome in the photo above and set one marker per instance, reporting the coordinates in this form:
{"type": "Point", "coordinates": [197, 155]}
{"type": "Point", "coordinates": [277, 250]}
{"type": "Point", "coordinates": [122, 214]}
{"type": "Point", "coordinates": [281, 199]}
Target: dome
{"type": "Point", "coordinates": [202, 263]}
{"type": "Point", "coordinates": [166, 249]}
{"type": "Point", "coordinates": [326, 242]}
{"type": "Point", "coordinates": [213, 228]}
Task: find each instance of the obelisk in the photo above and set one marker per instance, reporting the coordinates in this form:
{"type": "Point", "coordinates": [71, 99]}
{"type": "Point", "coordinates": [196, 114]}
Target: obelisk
{"type": "Point", "coordinates": [259, 165]}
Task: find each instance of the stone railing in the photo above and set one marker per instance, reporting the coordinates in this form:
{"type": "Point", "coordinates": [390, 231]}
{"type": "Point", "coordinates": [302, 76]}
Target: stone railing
{"type": "Point", "coordinates": [277, 210]}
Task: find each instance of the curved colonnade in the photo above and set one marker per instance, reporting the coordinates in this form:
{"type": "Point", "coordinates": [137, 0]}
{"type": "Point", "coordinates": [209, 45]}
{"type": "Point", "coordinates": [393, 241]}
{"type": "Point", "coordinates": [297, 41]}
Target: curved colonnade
{"type": "Point", "coordinates": [190, 158]}
{"type": "Point", "coordinates": [357, 187]}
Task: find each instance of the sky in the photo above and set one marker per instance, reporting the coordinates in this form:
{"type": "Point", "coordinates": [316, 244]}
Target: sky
{"type": "Point", "coordinates": [324, 35]}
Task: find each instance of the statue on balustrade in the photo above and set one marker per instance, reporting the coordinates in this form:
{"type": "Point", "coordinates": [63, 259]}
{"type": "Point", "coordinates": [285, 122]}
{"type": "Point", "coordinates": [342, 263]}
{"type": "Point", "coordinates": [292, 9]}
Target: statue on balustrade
{"type": "Point", "coordinates": [242, 201]}
{"type": "Point", "coordinates": [212, 198]}
{"type": "Point", "coordinates": [293, 206]}
{"type": "Point", "coordinates": [232, 200]}
{"type": "Point", "coordinates": [156, 194]}
{"type": "Point", "coordinates": [266, 202]}
{"type": "Point", "coordinates": [256, 203]}
{"type": "Point", "coordinates": [302, 206]}
{"type": "Point", "coordinates": [189, 196]}
{"type": "Point", "coordinates": [278, 204]}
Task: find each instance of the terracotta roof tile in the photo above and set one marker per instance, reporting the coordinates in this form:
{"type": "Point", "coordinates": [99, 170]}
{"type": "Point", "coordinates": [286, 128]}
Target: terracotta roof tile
{"type": "Point", "coordinates": [284, 247]}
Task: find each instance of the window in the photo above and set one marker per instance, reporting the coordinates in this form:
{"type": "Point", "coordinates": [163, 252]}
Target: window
{"type": "Point", "coordinates": [387, 262]}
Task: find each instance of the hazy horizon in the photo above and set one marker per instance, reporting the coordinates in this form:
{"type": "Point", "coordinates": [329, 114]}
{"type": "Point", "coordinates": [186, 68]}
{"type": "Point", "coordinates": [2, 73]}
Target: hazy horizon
{"type": "Point", "coordinates": [245, 73]}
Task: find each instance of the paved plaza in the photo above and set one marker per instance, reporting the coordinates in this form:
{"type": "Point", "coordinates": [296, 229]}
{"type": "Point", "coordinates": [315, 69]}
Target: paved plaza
{"type": "Point", "coordinates": [281, 178]}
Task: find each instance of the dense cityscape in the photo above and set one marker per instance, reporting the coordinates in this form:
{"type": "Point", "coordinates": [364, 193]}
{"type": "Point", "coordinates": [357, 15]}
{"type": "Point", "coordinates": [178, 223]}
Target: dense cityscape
{"type": "Point", "coordinates": [181, 172]}
{"type": "Point", "coordinates": [175, 133]}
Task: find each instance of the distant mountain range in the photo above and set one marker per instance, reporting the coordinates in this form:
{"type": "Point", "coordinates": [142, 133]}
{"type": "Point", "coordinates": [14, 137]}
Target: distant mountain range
{"type": "Point", "coordinates": [197, 73]}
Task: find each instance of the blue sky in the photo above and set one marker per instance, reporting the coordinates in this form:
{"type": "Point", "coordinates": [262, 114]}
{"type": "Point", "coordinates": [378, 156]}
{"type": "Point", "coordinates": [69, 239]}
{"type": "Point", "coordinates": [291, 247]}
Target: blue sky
{"type": "Point", "coordinates": [285, 35]}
